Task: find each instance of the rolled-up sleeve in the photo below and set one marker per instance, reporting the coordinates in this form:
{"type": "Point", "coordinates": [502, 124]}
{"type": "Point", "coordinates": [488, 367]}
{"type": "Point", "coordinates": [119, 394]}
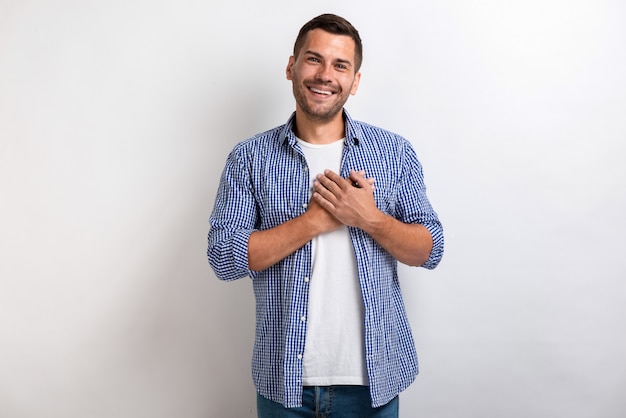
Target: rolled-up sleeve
{"type": "Point", "coordinates": [415, 207]}
{"type": "Point", "coordinates": [232, 221]}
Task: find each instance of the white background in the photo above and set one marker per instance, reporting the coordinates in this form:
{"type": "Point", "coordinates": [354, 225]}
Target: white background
{"type": "Point", "coordinates": [115, 121]}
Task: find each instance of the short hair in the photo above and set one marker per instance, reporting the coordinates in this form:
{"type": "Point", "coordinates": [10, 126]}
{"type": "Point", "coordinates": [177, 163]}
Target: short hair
{"type": "Point", "coordinates": [333, 24]}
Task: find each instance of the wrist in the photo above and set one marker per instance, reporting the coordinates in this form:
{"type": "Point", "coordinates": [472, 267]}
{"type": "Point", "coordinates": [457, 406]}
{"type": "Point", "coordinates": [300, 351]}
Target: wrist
{"type": "Point", "coordinates": [310, 224]}
{"type": "Point", "coordinates": [376, 224]}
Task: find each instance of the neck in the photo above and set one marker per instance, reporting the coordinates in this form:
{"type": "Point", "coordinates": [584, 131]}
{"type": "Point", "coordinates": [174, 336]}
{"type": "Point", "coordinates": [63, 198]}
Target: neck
{"type": "Point", "coordinates": [319, 132]}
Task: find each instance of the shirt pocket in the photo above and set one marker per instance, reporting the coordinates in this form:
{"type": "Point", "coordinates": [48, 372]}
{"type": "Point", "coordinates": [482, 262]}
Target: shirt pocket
{"type": "Point", "coordinates": [385, 191]}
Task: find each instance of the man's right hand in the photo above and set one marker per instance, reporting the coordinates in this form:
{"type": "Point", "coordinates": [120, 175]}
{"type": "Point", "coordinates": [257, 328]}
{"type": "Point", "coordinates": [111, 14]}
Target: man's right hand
{"type": "Point", "coordinates": [322, 220]}
{"type": "Point", "coordinates": [268, 247]}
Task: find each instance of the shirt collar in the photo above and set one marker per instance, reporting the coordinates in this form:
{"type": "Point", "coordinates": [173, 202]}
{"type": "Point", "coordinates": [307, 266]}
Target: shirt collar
{"type": "Point", "coordinates": [353, 132]}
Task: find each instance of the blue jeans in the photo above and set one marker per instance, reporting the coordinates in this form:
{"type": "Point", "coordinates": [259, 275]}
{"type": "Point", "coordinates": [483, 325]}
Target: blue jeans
{"type": "Point", "coordinates": [329, 402]}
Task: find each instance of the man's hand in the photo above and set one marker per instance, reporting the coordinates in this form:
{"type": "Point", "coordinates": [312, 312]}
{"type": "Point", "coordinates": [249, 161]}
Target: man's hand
{"type": "Point", "coordinates": [350, 200]}
{"type": "Point", "coordinates": [267, 247]}
{"type": "Point", "coordinates": [321, 218]}
{"type": "Point", "coordinates": [338, 201]}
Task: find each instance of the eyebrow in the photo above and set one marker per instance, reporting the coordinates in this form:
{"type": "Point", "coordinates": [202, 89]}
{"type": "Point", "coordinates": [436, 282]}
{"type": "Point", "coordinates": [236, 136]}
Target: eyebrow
{"type": "Point", "coordinates": [318, 55]}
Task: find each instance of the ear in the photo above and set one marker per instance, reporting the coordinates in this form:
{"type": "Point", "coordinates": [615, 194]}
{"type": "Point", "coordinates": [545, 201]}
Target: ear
{"type": "Point", "coordinates": [355, 83]}
{"type": "Point", "coordinates": [288, 71]}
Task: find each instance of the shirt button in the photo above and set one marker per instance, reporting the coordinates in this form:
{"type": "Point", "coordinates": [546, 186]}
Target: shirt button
{"type": "Point", "coordinates": [304, 205]}
{"type": "Point", "coordinates": [303, 318]}
{"type": "Point", "coordinates": [299, 356]}
{"type": "Point", "coordinates": [306, 280]}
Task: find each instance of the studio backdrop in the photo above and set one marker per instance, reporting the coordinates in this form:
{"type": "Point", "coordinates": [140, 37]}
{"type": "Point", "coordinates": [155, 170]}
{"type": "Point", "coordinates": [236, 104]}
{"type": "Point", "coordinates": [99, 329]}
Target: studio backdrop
{"type": "Point", "coordinates": [116, 119]}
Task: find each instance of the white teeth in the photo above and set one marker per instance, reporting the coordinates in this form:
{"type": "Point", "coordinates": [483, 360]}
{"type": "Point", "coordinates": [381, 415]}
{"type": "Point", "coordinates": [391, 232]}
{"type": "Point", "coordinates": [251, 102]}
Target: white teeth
{"type": "Point", "coordinates": [328, 93]}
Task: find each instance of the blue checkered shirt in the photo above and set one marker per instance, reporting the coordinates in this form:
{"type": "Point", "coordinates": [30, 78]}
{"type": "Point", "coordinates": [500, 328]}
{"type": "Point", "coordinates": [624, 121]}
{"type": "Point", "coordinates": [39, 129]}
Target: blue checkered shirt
{"type": "Point", "coordinates": [265, 183]}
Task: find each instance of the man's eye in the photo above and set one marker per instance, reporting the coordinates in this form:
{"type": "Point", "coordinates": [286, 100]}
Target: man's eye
{"type": "Point", "coordinates": [313, 59]}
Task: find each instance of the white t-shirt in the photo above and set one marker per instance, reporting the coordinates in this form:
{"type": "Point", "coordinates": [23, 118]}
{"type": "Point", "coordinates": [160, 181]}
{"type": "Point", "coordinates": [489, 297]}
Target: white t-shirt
{"type": "Point", "coordinates": [334, 349]}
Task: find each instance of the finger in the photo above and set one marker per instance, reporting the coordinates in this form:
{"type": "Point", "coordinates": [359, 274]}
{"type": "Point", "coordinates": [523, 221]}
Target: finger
{"type": "Point", "coordinates": [336, 178]}
{"type": "Point", "coordinates": [323, 201]}
{"type": "Point", "coordinates": [332, 181]}
{"type": "Point", "coordinates": [358, 179]}
{"type": "Point", "coordinates": [323, 182]}
{"type": "Point", "coordinates": [357, 175]}
{"type": "Point", "coordinates": [326, 190]}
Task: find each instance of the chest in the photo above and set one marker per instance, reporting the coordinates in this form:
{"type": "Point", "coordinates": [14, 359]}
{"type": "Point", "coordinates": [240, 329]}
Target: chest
{"type": "Point", "coordinates": [282, 183]}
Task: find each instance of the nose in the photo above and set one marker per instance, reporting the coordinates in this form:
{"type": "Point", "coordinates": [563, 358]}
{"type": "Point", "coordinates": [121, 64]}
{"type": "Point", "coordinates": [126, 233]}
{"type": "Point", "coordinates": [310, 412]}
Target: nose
{"type": "Point", "coordinates": [323, 73]}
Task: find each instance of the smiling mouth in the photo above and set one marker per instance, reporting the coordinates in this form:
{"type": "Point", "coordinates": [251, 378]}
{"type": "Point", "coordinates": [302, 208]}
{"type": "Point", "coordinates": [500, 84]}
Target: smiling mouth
{"type": "Point", "coordinates": [318, 91]}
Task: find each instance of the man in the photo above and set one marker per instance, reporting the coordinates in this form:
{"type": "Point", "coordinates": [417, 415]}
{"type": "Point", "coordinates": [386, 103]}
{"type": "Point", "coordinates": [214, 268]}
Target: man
{"type": "Point", "coordinates": [318, 212]}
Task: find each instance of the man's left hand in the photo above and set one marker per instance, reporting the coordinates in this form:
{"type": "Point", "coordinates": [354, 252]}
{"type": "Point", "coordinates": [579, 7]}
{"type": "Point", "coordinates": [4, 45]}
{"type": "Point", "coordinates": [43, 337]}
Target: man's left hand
{"type": "Point", "coordinates": [350, 200]}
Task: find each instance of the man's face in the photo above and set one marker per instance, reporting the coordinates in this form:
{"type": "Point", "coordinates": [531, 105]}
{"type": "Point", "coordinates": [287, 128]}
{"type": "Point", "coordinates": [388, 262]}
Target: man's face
{"type": "Point", "coordinates": [323, 75]}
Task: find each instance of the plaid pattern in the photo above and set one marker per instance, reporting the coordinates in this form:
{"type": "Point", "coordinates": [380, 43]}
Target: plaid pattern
{"type": "Point", "coordinates": [265, 183]}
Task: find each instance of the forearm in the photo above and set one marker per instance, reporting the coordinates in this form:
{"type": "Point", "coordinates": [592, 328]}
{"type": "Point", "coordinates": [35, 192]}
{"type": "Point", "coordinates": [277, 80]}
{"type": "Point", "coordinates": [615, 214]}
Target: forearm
{"type": "Point", "coordinates": [268, 247]}
{"type": "Point", "coordinates": [410, 244]}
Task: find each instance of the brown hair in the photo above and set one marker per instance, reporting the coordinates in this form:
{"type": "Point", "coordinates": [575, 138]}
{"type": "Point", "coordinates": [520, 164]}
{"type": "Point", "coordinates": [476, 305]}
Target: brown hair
{"type": "Point", "coordinates": [333, 24]}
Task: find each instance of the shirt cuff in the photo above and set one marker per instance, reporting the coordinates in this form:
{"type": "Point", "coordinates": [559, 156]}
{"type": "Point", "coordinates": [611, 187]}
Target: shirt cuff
{"type": "Point", "coordinates": [240, 250]}
{"type": "Point", "coordinates": [436, 232]}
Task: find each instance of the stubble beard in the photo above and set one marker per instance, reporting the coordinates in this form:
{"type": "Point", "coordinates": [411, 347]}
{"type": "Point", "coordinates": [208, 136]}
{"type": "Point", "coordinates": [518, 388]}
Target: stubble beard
{"type": "Point", "coordinates": [322, 115]}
